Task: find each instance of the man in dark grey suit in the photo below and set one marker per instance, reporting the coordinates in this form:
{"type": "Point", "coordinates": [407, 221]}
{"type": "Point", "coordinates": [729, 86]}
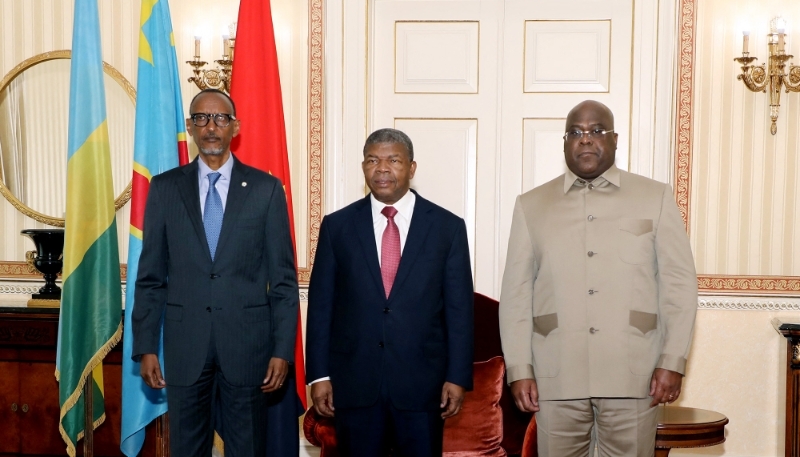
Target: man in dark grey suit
{"type": "Point", "coordinates": [217, 267]}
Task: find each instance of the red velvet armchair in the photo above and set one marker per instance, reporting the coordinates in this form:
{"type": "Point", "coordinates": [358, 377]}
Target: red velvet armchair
{"type": "Point", "coordinates": [489, 423]}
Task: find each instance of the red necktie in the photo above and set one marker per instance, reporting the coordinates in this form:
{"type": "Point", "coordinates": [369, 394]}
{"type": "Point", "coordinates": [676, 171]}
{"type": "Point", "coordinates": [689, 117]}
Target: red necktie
{"type": "Point", "coordinates": [390, 250]}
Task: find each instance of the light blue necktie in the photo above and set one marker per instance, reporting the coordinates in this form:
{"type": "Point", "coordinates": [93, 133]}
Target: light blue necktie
{"type": "Point", "coordinates": [212, 214]}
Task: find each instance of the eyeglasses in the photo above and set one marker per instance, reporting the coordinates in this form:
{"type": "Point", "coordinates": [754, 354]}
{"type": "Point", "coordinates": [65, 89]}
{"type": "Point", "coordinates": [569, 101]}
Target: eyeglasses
{"type": "Point", "coordinates": [221, 119]}
{"type": "Point", "coordinates": [575, 135]}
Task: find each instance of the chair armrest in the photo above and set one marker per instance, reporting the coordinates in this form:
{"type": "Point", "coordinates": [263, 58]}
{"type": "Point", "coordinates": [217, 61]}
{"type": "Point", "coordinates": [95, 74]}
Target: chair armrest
{"type": "Point", "coordinates": [319, 431]}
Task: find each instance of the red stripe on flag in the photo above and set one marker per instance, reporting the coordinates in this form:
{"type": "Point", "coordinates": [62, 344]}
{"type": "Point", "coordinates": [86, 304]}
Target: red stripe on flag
{"type": "Point", "coordinates": [256, 90]}
{"type": "Point", "coordinates": [183, 153]}
{"type": "Point", "coordinates": [140, 186]}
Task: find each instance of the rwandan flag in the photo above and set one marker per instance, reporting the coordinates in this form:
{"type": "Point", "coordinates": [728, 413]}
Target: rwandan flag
{"type": "Point", "coordinates": [91, 302]}
{"type": "Point", "coordinates": [159, 144]}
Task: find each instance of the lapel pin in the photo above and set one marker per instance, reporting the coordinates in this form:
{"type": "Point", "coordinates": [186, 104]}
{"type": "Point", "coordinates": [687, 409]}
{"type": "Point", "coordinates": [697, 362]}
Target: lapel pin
{"type": "Point", "coordinates": [244, 184]}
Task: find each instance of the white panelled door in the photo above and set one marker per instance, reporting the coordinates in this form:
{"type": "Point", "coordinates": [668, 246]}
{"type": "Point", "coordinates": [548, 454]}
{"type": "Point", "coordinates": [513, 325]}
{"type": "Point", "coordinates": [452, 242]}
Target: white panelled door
{"type": "Point", "coordinates": [483, 89]}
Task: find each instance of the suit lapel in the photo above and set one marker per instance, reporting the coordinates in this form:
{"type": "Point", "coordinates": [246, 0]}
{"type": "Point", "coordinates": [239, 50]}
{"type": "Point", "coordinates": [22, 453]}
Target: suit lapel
{"type": "Point", "coordinates": [190, 193]}
{"type": "Point", "coordinates": [417, 232]}
{"type": "Point", "coordinates": [237, 191]}
{"type": "Point", "coordinates": [366, 234]}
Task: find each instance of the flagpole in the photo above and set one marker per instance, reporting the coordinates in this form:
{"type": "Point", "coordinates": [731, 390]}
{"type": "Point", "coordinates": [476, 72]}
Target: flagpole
{"type": "Point", "coordinates": [88, 423]}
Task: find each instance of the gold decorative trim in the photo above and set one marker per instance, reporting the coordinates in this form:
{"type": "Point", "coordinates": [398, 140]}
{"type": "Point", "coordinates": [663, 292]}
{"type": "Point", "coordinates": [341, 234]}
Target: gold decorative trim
{"type": "Point", "coordinates": [315, 134]}
{"type": "Point", "coordinates": [125, 196]}
{"type": "Point", "coordinates": [788, 286]}
{"type": "Point", "coordinates": [18, 270]}
{"type": "Point", "coordinates": [25, 270]}
{"type": "Point", "coordinates": [683, 157]}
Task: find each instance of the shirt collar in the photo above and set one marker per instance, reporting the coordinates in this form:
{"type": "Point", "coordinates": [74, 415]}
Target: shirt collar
{"type": "Point", "coordinates": [225, 170]}
{"type": "Point", "coordinates": [404, 206]}
{"type": "Point", "coordinates": [611, 176]}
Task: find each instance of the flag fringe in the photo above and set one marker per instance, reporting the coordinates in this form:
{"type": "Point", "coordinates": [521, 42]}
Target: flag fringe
{"type": "Point", "coordinates": [72, 400]}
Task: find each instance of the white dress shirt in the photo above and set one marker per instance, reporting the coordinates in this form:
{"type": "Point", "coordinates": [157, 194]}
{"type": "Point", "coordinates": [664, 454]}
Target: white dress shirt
{"type": "Point", "coordinates": [223, 183]}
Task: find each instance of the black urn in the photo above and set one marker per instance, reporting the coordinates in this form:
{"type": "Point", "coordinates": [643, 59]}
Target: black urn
{"type": "Point", "coordinates": [48, 260]}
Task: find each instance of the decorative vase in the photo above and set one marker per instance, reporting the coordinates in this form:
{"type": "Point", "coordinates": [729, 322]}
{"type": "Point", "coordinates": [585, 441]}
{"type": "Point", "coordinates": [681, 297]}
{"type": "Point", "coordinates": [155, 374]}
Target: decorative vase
{"type": "Point", "coordinates": [48, 260]}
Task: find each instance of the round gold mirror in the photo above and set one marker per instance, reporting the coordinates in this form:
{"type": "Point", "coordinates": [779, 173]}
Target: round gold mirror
{"type": "Point", "coordinates": [34, 122]}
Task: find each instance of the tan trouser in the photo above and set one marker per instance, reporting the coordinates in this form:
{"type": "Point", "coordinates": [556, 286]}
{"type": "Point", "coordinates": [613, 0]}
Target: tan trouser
{"type": "Point", "coordinates": [619, 427]}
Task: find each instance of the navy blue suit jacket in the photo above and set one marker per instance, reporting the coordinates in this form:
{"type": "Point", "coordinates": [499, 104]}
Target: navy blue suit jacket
{"type": "Point", "coordinates": [414, 341]}
{"type": "Point", "coordinates": [248, 294]}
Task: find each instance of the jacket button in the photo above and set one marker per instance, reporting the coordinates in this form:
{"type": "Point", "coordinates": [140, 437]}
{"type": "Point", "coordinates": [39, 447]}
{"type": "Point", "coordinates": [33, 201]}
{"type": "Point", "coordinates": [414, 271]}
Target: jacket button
{"type": "Point", "coordinates": [208, 308]}
{"type": "Point", "coordinates": [213, 276]}
{"type": "Point", "coordinates": [593, 330]}
{"type": "Point", "coordinates": [591, 218]}
{"type": "Point", "coordinates": [591, 186]}
{"type": "Point", "coordinates": [380, 345]}
{"type": "Point", "coordinates": [386, 310]}
{"type": "Point", "coordinates": [591, 291]}
{"type": "Point", "coordinates": [590, 253]}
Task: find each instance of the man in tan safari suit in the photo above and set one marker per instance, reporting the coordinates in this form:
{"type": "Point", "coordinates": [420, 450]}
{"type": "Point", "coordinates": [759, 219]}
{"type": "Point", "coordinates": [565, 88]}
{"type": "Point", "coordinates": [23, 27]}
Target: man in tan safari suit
{"type": "Point", "coordinates": [598, 299]}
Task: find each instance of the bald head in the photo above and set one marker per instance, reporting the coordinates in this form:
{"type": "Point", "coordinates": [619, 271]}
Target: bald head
{"type": "Point", "coordinates": [594, 108]}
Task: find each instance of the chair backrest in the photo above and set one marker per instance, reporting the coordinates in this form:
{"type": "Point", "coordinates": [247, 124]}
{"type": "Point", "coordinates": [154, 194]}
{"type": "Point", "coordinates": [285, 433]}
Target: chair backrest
{"type": "Point", "coordinates": [487, 345]}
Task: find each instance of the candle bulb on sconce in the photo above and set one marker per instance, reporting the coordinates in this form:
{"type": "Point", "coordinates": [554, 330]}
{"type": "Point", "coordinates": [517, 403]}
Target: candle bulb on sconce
{"type": "Point", "coordinates": [225, 47]}
{"type": "Point", "coordinates": [745, 41]}
{"type": "Point", "coordinates": [197, 48]}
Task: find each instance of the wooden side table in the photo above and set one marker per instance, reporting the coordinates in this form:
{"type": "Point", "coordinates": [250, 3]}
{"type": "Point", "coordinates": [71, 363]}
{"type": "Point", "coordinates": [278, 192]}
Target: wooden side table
{"type": "Point", "coordinates": [688, 427]}
{"type": "Point", "coordinates": [792, 334]}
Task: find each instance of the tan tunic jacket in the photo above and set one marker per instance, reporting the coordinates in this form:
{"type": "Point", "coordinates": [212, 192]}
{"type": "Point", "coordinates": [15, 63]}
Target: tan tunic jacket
{"type": "Point", "coordinates": [599, 287]}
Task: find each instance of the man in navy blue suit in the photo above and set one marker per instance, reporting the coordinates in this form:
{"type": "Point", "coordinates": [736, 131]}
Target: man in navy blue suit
{"type": "Point", "coordinates": [390, 312]}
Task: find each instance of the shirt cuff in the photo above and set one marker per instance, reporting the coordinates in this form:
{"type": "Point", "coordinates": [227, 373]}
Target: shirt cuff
{"type": "Point", "coordinates": [326, 378]}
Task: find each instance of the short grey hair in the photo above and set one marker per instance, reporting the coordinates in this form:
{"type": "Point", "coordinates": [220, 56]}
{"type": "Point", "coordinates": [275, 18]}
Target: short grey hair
{"type": "Point", "coordinates": [390, 136]}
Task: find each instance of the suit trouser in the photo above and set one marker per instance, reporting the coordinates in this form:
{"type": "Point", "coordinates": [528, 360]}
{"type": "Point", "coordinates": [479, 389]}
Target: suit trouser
{"type": "Point", "coordinates": [371, 431]}
{"type": "Point", "coordinates": [619, 426]}
{"type": "Point", "coordinates": [243, 413]}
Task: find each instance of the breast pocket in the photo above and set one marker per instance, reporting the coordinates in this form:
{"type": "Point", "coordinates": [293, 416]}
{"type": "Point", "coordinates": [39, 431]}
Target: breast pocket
{"type": "Point", "coordinates": [635, 241]}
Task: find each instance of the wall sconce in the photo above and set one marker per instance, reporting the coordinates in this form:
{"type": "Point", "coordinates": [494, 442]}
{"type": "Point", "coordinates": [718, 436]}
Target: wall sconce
{"type": "Point", "coordinates": [215, 78]}
{"type": "Point", "coordinates": [773, 76]}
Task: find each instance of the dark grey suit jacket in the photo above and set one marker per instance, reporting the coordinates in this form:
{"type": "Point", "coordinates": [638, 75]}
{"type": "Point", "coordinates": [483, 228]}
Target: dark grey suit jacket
{"type": "Point", "coordinates": [248, 295]}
